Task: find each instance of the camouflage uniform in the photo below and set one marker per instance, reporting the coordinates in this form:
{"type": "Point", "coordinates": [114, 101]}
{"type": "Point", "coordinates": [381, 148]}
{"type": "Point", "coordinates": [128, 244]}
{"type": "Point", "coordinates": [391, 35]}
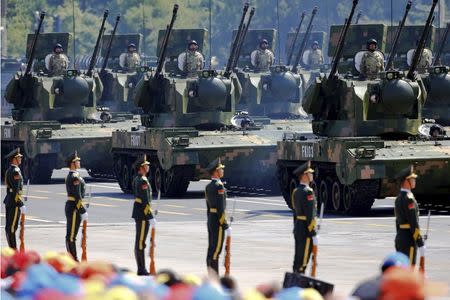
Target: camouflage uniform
{"type": "Point", "coordinates": [408, 236]}
{"type": "Point", "coordinates": [215, 195]}
{"type": "Point", "coordinates": [132, 61]}
{"type": "Point", "coordinates": [75, 187]}
{"type": "Point", "coordinates": [304, 206]}
{"type": "Point", "coordinates": [315, 58]}
{"type": "Point", "coordinates": [13, 202]}
{"type": "Point", "coordinates": [58, 64]}
{"type": "Point", "coordinates": [262, 60]}
{"type": "Point", "coordinates": [142, 213]}
{"type": "Point", "coordinates": [190, 62]}
{"type": "Point", "coordinates": [371, 64]}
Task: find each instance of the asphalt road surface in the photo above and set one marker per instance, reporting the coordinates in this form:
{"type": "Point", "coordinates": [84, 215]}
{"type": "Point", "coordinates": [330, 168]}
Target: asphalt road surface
{"type": "Point", "coordinates": [350, 248]}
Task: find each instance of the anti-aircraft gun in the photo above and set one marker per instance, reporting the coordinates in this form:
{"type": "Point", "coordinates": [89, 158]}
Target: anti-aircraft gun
{"type": "Point", "coordinates": [437, 83]}
{"type": "Point", "coordinates": [39, 96]}
{"type": "Point", "coordinates": [55, 115]}
{"type": "Point", "coordinates": [366, 131]}
{"type": "Point", "coordinates": [118, 79]}
{"type": "Point", "coordinates": [189, 121]}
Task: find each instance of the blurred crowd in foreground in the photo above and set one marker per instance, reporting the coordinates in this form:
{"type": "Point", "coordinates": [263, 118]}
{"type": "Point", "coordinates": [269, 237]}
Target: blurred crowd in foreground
{"type": "Point", "coordinates": [56, 276]}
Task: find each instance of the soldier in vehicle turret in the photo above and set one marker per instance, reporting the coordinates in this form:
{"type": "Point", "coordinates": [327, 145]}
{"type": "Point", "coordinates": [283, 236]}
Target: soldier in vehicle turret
{"type": "Point", "coordinates": [191, 60]}
{"type": "Point", "coordinates": [262, 58]}
{"type": "Point", "coordinates": [425, 61]}
{"type": "Point", "coordinates": [372, 61]}
{"type": "Point", "coordinates": [315, 56]}
{"type": "Point", "coordinates": [130, 60]}
{"type": "Point", "coordinates": [57, 62]}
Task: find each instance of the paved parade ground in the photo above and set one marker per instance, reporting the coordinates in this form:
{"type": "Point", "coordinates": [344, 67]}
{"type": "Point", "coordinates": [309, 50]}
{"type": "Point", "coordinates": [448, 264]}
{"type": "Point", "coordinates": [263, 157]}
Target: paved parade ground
{"type": "Point", "coordinates": [350, 248]}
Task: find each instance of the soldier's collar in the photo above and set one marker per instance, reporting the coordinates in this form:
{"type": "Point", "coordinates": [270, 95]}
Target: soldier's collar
{"type": "Point", "coordinates": [302, 183]}
{"type": "Point", "coordinates": [215, 178]}
{"type": "Point", "coordinates": [405, 190]}
{"type": "Point", "coordinates": [73, 171]}
{"type": "Point", "coordinates": [15, 166]}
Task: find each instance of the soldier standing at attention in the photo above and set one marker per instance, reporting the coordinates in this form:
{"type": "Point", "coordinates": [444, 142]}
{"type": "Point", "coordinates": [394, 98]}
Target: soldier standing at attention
{"type": "Point", "coordinates": [216, 196]}
{"type": "Point", "coordinates": [406, 209]}
{"type": "Point", "coordinates": [191, 60]}
{"type": "Point", "coordinates": [305, 211]}
{"type": "Point", "coordinates": [372, 61]}
{"type": "Point", "coordinates": [13, 200]}
{"type": "Point", "coordinates": [262, 58]}
{"type": "Point", "coordinates": [131, 59]}
{"type": "Point", "coordinates": [58, 61]}
{"type": "Point", "coordinates": [142, 212]}
{"type": "Point", "coordinates": [75, 210]}
{"type": "Point", "coordinates": [315, 56]}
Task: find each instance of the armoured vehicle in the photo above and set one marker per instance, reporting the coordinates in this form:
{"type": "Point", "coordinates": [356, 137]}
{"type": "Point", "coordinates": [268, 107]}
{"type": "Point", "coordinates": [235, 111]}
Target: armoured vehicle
{"type": "Point", "coordinates": [188, 122]}
{"type": "Point", "coordinates": [54, 115]}
{"type": "Point", "coordinates": [437, 82]}
{"type": "Point", "coordinates": [365, 133]}
{"type": "Point", "coordinates": [118, 80]}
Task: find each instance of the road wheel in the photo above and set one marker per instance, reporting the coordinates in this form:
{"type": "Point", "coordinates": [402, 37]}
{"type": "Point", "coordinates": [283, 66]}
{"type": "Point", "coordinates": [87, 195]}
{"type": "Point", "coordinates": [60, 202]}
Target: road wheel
{"type": "Point", "coordinates": [292, 186]}
{"type": "Point", "coordinates": [325, 192]}
{"type": "Point", "coordinates": [38, 170]}
{"type": "Point", "coordinates": [336, 196]}
{"type": "Point", "coordinates": [176, 181]}
{"type": "Point", "coordinates": [284, 183]}
{"type": "Point", "coordinates": [348, 197]}
{"type": "Point", "coordinates": [126, 178]}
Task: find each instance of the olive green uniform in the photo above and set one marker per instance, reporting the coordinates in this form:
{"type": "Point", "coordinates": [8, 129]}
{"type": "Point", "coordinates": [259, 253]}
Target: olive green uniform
{"type": "Point", "coordinates": [305, 211]}
{"type": "Point", "coordinates": [75, 187]}
{"type": "Point", "coordinates": [13, 202]}
{"type": "Point", "coordinates": [142, 213]}
{"type": "Point", "coordinates": [216, 195]}
{"type": "Point", "coordinates": [408, 236]}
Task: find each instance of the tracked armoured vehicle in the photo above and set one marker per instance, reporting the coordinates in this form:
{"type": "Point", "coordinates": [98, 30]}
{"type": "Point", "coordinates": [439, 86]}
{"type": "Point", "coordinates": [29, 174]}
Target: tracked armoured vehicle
{"type": "Point", "coordinates": [365, 133]}
{"type": "Point", "coordinates": [188, 122]}
{"type": "Point", "coordinates": [54, 115]}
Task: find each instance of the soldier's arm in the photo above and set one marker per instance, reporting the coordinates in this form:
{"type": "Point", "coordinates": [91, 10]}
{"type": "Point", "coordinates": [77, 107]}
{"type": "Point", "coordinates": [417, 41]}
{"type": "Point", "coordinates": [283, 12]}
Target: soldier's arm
{"type": "Point", "coordinates": [362, 66]}
{"type": "Point", "coordinates": [310, 212]}
{"type": "Point", "coordinates": [413, 220]}
{"type": "Point", "coordinates": [146, 196]}
{"type": "Point", "coordinates": [16, 185]}
{"type": "Point", "coordinates": [76, 182]}
{"type": "Point", "coordinates": [220, 190]}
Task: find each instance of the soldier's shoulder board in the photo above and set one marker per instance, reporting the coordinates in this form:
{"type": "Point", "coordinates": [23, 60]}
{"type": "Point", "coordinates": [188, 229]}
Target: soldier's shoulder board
{"type": "Point", "coordinates": [218, 183]}
{"type": "Point", "coordinates": [16, 169]}
{"type": "Point", "coordinates": [308, 190]}
{"type": "Point", "coordinates": [410, 196]}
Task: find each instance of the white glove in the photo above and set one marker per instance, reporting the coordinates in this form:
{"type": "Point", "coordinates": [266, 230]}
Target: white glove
{"type": "Point", "coordinates": [228, 231]}
{"type": "Point", "coordinates": [315, 240]}
{"type": "Point", "coordinates": [84, 217]}
{"type": "Point", "coordinates": [23, 209]}
{"type": "Point", "coordinates": [153, 222]}
{"type": "Point", "coordinates": [422, 251]}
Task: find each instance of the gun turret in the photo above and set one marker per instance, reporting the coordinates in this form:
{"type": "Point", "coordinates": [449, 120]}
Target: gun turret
{"type": "Point", "coordinates": [358, 16]}
{"type": "Point", "coordinates": [236, 40]}
{"type": "Point", "coordinates": [108, 51]}
{"type": "Point", "coordinates": [291, 49]}
{"type": "Point", "coordinates": [97, 45]}
{"type": "Point", "coordinates": [33, 45]}
{"type": "Point", "coordinates": [241, 41]}
{"type": "Point", "coordinates": [340, 46]}
{"type": "Point", "coordinates": [305, 39]}
{"type": "Point", "coordinates": [390, 63]}
{"type": "Point", "coordinates": [437, 59]}
{"type": "Point", "coordinates": [422, 41]}
{"type": "Point", "coordinates": [162, 55]}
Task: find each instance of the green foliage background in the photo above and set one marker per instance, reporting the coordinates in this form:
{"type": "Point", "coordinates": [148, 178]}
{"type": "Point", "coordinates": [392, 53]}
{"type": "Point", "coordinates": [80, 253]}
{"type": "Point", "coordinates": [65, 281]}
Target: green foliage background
{"type": "Point", "coordinates": [195, 14]}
